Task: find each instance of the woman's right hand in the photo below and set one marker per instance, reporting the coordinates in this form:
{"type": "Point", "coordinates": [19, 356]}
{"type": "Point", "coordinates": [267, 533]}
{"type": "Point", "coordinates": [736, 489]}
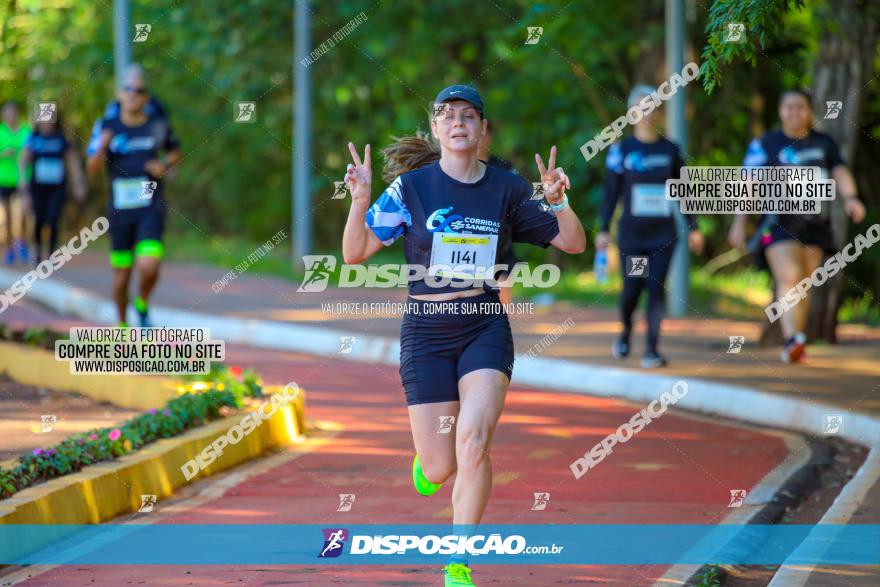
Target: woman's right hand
{"type": "Point", "coordinates": [603, 239]}
{"type": "Point", "coordinates": [737, 235]}
{"type": "Point", "coordinates": [359, 177]}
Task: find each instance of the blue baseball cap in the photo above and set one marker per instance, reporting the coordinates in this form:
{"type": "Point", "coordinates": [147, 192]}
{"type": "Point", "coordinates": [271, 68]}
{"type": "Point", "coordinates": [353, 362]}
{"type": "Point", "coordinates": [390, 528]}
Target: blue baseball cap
{"type": "Point", "coordinates": [461, 92]}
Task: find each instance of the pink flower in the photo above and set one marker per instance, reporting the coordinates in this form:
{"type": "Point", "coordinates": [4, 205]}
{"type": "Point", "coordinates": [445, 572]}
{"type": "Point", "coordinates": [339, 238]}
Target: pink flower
{"type": "Point", "coordinates": [235, 371]}
{"type": "Point", "coordinates": [114, 434]}
{"type": "Point", "coordinates": [38, 452]}
{"type": "Point", "coordinates": [93, 437]}
{"type": "Point", "coordinates": [152, 410]}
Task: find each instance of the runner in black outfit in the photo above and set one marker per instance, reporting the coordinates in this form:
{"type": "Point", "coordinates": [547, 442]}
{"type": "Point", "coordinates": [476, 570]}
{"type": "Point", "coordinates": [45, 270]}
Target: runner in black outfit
{"type": "Point", "coordinates": [637, 169]}
{"type": "Point", "coordinates": [456, 363]}
{"type": "Point", "coordinates": [138, 152]}
{"type": "Point", "coordinates": [54, 161]}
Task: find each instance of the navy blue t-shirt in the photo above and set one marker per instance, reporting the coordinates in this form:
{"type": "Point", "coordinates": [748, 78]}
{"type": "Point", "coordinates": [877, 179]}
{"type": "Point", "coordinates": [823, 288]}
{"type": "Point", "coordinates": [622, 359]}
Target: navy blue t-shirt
{"type": "Point", "coordinates": [816, 149]}
{"type": "Point", "coordinates": [637, 173]}
{"type": "Point", "coordinates": [129, 149]}
{"type": "Point", "coordinates": [47, 153]}
{"type": "Point", "coordinates": [436, 215]}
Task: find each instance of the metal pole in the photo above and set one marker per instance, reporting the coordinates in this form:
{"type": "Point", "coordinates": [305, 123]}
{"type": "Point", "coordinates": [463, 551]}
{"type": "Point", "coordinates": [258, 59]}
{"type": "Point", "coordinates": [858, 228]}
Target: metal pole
{"type": "Point", "coordinates": [676, 131]}
{"type": "Point", "coordinates": [121, 39]}
{"type": "Point", "coordinates": [301, 221]}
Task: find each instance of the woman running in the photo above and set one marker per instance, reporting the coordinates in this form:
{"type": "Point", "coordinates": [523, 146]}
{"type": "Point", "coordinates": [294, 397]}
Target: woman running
{"type": "Point", "coordinates": [54, 160]}
{"type": "Point", "coordinates": [456, 365]}
{"type": "Point", "coordinates": [794, 244]}
{"type": "Point", "coordinates": [637, 170]}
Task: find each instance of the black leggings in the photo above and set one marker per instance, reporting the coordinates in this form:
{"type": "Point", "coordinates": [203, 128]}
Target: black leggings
{"type": "Point", "coordinates": [48, 201]}
{"type": "Point", "coordinates": [659, 259]}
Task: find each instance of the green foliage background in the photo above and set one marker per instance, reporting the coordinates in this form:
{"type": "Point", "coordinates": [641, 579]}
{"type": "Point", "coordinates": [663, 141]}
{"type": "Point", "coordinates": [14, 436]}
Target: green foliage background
{"type": "Point", "coordinates": [204, 55]}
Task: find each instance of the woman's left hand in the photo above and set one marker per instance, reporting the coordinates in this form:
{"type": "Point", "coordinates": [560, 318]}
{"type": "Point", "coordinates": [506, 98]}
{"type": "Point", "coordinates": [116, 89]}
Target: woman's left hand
{"type": "Point", "coordinates": [854, 209]}
{"type": "Point", "coordinates": [553, 178]}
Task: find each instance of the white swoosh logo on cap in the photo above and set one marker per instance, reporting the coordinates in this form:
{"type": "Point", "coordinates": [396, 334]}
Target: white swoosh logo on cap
{"type": "Point", "coordinates": [455, 92]}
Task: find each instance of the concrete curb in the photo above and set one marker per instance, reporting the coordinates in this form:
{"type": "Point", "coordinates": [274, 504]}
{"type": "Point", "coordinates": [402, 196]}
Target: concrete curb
{"type": "Point", "coordinates": [102, 491]}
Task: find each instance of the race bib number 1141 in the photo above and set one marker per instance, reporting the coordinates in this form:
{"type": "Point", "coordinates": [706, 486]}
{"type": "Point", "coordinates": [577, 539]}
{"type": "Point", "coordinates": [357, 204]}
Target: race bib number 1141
{"type": "Point", "coordinates": [462, 255]}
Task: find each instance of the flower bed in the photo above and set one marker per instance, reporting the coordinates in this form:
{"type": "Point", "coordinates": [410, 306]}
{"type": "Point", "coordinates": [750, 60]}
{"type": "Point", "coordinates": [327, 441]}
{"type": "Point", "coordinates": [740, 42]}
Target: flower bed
{"type": "Point", "coordinates": [200, 399]}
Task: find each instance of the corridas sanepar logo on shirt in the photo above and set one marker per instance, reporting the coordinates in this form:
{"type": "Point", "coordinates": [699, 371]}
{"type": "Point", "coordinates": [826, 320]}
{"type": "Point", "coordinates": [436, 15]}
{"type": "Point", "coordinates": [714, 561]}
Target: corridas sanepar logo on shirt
{"type": "Point", "coordinates": [438, 221]}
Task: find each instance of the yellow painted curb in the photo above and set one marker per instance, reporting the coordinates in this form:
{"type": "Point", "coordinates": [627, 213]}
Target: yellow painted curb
{"type": "Point", "coordinates": [102, 491]}
{"type": "Point", "coordinates": [38, 367]}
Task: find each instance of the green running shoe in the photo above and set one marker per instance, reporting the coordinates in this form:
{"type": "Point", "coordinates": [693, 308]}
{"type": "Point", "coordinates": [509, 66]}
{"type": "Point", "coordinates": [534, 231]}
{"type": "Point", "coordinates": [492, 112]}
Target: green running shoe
{"type": "Point", "coordinates": [456, 575]}
{"type": "Point", "coordinates": [421, 482]}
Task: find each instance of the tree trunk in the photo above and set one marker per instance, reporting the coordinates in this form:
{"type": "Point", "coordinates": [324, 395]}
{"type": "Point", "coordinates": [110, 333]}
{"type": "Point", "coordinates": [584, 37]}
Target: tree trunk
{"type": "Point", "coordinates": [844, 65]}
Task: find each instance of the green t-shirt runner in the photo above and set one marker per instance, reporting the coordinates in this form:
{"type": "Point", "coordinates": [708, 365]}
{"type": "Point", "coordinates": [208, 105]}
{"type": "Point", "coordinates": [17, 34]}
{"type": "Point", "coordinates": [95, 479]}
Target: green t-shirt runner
{"type": "Point", "coordinates": [11, 143]}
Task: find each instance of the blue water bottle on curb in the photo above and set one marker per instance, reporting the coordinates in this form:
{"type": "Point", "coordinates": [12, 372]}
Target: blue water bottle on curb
{"type": "Point", "coordinates": [600, 265]}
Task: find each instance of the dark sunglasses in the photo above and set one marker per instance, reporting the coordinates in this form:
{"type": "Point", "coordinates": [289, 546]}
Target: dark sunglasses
{"type": "Point", "coordinates": [134, 90]}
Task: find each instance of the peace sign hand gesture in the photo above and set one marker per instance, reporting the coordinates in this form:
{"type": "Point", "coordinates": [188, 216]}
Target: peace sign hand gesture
{"type": "Point", "coordinates": [359, 176]}
{"type": "Point", "coordinates": [553, 178]}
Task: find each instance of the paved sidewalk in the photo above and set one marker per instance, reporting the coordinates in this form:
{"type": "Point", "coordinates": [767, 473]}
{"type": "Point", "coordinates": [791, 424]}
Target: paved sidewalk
{"type": "Point", "coordinates": [696, 346]}
{"type": "Point", "coordinates": [846, 375]}
{"type": "Point", "coordinates": [678, 470]}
